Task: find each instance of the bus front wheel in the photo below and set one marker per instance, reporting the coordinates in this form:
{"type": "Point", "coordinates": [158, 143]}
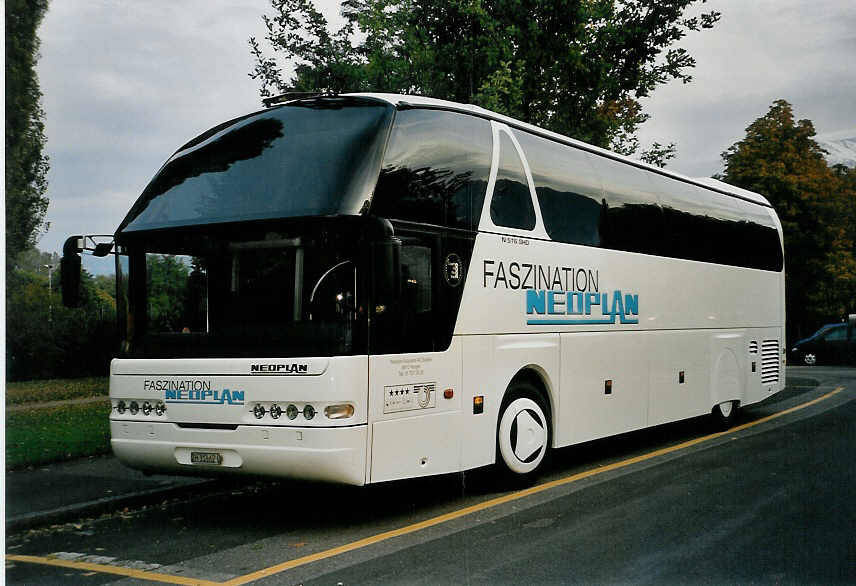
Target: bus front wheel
{"type": "Point", "coordinates": [523, 434]}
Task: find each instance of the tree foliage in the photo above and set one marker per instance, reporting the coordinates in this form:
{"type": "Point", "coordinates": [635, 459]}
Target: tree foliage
{"type": "Point", "coordinates": [44, 339]}
{"type": "Point", "coordinates": [577, 67]}
{"type": "Point", "coordinates": [816, 204]}
{"type": "Point", "coordinates": [166, 283]}
{"type": "Point", "coordinates": [26, 165]}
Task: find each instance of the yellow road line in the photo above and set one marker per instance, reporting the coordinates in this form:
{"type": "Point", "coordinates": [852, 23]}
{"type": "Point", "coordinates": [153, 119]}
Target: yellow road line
{"type": "Point", "coordinates": [105, 569]}
{"type": "Point", "coordinates": [321, 555]}
{"type": "Point", "coordinates": [406, 530]}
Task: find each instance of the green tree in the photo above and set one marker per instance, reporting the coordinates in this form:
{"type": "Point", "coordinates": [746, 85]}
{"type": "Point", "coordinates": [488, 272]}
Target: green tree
{"type": "Point", "coordinates": [166, 283]}
{"type": "Point", "coordinates": [578, 67]}
{"type": "Point", "coordinates": [779, 159]}
{"type": "Point", "coordinates": [26, 165]}
{"type": "Point", "coordinates": [44, 339]}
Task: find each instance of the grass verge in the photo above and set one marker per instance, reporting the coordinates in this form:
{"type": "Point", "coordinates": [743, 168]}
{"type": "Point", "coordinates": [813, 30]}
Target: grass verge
{"type": "Point", "coordinates": [38, 436]}
{"type": "Point", "coordinates": [60, 389]}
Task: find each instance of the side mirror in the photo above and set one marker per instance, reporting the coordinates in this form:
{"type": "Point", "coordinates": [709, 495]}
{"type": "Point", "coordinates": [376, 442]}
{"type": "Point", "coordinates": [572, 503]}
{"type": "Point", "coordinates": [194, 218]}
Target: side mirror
{"type": "Point", "coordinates": [70, 266]}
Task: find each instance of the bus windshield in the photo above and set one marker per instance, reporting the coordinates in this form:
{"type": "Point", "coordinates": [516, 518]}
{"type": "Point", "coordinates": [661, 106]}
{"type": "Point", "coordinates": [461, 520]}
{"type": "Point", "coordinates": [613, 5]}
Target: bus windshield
{"type": "Point", "coordinates": [308, 158]}
{"type": "Point", "coordinates": [244, 291]}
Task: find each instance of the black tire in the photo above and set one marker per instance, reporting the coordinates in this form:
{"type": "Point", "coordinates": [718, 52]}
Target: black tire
{"type": "Point", "coordinates": [724, 414]}
{"type": "Point", "coordinates": [523, 434]}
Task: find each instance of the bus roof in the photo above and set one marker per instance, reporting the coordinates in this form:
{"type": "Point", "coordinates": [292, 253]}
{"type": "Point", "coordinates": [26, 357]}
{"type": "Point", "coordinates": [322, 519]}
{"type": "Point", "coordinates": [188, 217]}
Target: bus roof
{"type": "Point", "coordinates": [404, 101]}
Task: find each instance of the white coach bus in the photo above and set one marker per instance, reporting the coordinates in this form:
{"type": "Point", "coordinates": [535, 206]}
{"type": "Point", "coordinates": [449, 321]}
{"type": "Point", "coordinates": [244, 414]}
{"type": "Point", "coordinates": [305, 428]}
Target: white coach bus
{"type": "Point", "coordinates": [364, 288]}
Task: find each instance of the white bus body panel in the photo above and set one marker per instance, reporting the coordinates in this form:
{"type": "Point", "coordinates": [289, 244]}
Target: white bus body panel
{"type": "Point", "coordinates": [699, 319]}
{"type": "Point", "coordinates": [415, 430]}
{"type": "Point", "coordinates": [210, 408]}
{"type": "Point", "coordinates": [326, 454]}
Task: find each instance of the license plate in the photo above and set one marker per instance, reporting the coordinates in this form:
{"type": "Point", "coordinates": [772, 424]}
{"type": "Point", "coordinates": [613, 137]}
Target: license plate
{"type": "Point", "coordinates": [206, 458]}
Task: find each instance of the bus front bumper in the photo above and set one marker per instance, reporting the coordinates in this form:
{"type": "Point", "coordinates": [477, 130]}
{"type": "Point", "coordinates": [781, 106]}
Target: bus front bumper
{"type": "Point", "coordinates": [331, 454]}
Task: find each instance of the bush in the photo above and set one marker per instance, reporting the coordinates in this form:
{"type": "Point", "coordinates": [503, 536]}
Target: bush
{"type": "Point", "coordinates": [46, 340]}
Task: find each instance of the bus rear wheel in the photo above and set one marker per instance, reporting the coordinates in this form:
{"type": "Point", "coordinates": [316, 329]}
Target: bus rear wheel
{"type": "Point", "coordinates": [523, 434]}
{"type": "Point", "coordinates": [724, 414]}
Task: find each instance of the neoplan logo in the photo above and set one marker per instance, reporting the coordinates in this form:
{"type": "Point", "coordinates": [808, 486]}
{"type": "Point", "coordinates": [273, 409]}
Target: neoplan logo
{"type": "Point", "coordinates": [556, 306]}
{"type": "Point", "coordinates": [293, 368]}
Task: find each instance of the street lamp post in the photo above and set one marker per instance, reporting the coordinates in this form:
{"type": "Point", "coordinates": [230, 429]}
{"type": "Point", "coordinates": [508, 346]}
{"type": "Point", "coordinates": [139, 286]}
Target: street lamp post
{"type": "Point", "coordinates": [50, 269]}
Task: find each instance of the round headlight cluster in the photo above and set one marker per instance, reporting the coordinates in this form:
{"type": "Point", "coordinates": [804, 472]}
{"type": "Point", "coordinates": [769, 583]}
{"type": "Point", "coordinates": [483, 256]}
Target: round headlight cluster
{"type": "Point", "coordinates": [291, 411]}
{"type": "Point", "coordinates": [147, 408]}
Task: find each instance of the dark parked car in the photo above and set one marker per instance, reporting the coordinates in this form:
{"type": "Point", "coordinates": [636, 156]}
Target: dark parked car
{"type": "Point", "coordinates": [831, 344]}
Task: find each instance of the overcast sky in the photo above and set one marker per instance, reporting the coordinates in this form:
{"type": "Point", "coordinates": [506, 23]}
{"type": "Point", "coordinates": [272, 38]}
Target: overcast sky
{"type": "Point", "coordinates": [125, 83]}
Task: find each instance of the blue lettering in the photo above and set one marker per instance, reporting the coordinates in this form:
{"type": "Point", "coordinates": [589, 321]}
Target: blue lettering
{"type": "Point", "coordinates": [535, 302]}
{"type": "Point", "coordinates": [578, 297]}
{"type": "Point", "coordinates": [554, 298]}
{"type": "Point", "coordinates": [238, 396]}
{"type": "Point", "coordinates": [170, 395]}
{"type": "Point", "coordinates": [617, 304]}
{"type": "Point", "coordinates": [591, 299]}
{"type": "Point", "coordinates": [631, 304]}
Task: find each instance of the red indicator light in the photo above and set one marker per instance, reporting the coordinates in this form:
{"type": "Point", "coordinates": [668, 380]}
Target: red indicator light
{"type": "Point", "coordinates": [448, 393]}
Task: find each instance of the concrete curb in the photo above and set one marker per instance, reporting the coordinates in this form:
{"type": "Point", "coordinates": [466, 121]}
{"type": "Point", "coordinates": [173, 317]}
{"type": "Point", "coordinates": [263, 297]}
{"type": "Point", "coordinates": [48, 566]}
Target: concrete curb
{"type": "Point", "coordinates": [99, 506]}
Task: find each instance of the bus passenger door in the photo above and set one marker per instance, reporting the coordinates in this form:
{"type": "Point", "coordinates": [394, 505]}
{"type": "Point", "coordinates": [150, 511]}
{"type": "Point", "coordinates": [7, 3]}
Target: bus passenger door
{"type": "Point", "coordinates": [414, 396]}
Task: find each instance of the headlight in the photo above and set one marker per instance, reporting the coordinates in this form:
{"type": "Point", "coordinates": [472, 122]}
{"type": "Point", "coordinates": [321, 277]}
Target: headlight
{"type": "Point", "coordinates": [309, 411]}
{"type": "Point", "coordinates": [291, 411]}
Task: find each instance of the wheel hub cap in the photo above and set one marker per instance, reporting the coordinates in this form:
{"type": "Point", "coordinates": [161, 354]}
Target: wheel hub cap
{"type": "Point", "coordinates": [530, 436]}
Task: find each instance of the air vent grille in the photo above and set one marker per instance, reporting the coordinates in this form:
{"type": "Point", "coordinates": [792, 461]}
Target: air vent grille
{"type": "Point", "coordinates": [769, 362]}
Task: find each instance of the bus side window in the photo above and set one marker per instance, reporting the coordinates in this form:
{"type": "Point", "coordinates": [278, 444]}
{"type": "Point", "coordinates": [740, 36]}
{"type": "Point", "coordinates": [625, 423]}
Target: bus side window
{"type": "Point", "coordinates": [435, 169]}
{"type": "Point", "coordinates": [568, 189]}
{"type": "Point", "coordinates": [511, 204]}
{"type": "Point", "coordinates": [417, 324]}
{"type": "Point", "coordinates": [631, 218]}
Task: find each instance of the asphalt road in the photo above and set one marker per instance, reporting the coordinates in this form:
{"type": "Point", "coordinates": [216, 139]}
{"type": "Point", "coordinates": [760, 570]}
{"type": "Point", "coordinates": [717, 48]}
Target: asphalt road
{"type": "Point", "coordinates": [769, 503]}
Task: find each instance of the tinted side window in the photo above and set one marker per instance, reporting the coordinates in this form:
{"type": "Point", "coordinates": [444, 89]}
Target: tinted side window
{"type": "Point", "coordinates": [705, 226]}
{"type": "Point", "coordinates": [568, 190]}
{"type": "Point", "coordinates": [631, 218]}
{"type": "Point", "coordinates": [435, 170]}
{"type": "Point", "coordinates": [511, 205]}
